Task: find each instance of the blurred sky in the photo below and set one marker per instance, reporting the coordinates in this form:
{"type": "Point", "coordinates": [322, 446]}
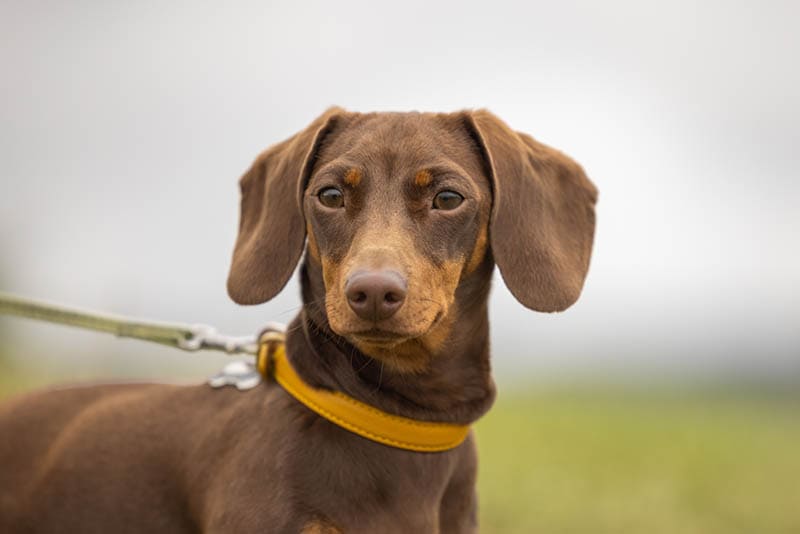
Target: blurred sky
{"type": "Point", "coordinates": [124, 127]}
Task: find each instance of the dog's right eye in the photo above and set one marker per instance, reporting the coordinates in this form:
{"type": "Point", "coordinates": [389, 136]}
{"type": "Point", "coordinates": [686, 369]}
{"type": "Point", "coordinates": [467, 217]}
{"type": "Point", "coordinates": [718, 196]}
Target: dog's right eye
{"type": "Point", "coordinates": [330, 197]}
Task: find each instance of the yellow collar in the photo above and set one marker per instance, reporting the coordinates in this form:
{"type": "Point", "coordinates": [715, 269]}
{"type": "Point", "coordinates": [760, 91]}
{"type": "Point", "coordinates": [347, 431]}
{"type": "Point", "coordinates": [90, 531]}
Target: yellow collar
{"type": "Point", "coordinates": [354, 415]}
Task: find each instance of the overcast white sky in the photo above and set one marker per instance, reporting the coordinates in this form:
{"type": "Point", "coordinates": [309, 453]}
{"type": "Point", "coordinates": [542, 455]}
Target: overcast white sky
{"type": "Point", "coordinates": [125, 126]}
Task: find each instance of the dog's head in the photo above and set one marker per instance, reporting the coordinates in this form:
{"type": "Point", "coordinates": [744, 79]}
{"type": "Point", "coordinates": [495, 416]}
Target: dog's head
{"type": "Point", "coordinates": [401, 210]}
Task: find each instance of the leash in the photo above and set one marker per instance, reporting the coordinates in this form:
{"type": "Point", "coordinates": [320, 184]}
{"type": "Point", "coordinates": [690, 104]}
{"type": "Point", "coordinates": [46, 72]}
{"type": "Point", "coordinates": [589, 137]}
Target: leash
{"type": "Point", "coordinates": [243, 375]}
{"type": "Point", "coordinates": [271, 362]}
{"type": "Point", "coordinates": [181, 336]}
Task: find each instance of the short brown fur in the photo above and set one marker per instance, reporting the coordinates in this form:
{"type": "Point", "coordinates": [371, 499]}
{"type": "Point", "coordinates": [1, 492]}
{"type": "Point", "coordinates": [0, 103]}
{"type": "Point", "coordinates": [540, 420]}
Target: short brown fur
{"type": "Point", "coordinates": [157, 458]}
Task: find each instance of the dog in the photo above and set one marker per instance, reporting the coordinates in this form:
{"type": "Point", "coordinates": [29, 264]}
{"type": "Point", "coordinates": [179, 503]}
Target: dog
{"type": "Point", "coordinates": [399, 219]}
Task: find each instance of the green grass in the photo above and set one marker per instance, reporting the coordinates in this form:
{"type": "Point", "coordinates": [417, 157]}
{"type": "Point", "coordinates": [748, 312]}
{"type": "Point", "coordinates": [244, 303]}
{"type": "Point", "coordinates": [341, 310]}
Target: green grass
{"type": "Point", "coordinates": [610, 461]}
{"type": "Point", "coordinates": [594, 460]}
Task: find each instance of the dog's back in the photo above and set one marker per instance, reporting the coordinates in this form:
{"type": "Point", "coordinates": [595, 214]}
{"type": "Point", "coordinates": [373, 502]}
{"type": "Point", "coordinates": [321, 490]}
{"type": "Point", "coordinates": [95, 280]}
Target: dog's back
{"type": "Point", "coordinates": [102, 458]}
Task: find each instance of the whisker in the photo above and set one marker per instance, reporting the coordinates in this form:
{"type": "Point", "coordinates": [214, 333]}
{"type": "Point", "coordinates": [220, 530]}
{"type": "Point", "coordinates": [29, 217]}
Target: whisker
{"type": "Point", "coordinates": [380, 378]}
{"type": "Point", "coordinates": [369, 361]}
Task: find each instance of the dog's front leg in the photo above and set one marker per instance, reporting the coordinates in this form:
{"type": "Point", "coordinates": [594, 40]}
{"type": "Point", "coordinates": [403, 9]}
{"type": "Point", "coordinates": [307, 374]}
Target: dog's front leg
{"type": "Point", "coordinates": [458, 511]}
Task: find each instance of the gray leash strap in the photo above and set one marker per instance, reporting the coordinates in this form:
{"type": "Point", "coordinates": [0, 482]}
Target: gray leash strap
{"type": "Point", "coordinates": [181, 336]}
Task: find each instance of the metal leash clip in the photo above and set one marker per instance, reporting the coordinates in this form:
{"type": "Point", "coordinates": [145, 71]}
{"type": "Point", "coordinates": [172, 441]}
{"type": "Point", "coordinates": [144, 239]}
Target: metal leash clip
{"type": "Point", "coordinates": [242, 374]}
{"type": "Point", "coordinates": [203, 336]}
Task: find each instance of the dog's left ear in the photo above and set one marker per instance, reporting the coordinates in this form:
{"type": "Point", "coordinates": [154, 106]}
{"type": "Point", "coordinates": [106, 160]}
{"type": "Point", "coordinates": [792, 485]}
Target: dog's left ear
{"type": "Point", "coordinates": [542, 223]}
{"type": "Point", "coordinates": [271, 227]}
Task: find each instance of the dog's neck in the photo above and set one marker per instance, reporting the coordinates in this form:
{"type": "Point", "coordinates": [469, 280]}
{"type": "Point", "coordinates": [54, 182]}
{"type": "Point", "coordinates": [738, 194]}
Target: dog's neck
{"type": "Point", "coordinates": [456, 385]}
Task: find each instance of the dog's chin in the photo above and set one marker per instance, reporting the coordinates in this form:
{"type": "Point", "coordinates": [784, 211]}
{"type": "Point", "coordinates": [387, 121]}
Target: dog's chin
{"type": "Point", "coordinates": [402, 350]}
{"type": "Point", "coordinates": [399, 343]}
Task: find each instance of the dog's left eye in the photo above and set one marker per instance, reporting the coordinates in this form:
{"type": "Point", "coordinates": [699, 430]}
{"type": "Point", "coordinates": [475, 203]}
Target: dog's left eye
{"type": "Point", "coordinates": [447, 200]}
{"type": "Point", "coordinates": [331, 197]}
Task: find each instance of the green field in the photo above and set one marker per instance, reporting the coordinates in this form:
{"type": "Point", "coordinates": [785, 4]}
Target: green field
{"type": "Point", "coordinates": [614, 460]}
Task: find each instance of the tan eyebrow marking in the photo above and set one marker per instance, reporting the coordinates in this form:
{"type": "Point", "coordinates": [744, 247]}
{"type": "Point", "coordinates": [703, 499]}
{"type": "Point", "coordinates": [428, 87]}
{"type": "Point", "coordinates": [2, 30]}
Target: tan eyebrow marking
{"type": "Point", "coordinates": [423, 178]}
{"type": "Point", "coordinates": [353, 177]}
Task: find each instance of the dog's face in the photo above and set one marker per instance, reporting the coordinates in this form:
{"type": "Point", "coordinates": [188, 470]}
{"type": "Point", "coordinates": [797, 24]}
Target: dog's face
{"type": "Point", "coordinates": [400, 212]}
{"type": "Point", "coordinates": [396, 210]}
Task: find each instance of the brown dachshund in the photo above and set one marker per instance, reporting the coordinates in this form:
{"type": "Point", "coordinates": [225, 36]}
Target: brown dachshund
{"type": "Point", "coordinates": [402, 217]}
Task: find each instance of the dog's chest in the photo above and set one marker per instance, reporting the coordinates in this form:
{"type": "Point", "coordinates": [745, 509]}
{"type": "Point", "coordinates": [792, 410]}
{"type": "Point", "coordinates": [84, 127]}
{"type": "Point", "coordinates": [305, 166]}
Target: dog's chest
{"type": "Point", "coordinates": [309, 469]}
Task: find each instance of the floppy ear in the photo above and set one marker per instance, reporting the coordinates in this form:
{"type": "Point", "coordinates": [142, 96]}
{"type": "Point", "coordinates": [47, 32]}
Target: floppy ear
{"type": "Point", "coordinates": [542, 223]}
{"type": "Point", "coordinates": [271, 226]}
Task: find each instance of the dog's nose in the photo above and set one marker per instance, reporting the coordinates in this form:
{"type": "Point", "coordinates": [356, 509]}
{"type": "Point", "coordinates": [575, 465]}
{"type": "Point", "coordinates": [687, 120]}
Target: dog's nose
{"type": "Point", "coordinates": [375, 295]}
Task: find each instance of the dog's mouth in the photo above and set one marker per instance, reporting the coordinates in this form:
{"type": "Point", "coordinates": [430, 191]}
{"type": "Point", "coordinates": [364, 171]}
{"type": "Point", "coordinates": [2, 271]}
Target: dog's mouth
{"type": "Point", "coordinates": [378, 337]}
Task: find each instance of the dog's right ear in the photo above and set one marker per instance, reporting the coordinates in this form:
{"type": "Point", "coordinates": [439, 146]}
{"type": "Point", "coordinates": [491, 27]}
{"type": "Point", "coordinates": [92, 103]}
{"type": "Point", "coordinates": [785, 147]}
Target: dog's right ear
{"type": "Point", "coordinates": [271, 226]}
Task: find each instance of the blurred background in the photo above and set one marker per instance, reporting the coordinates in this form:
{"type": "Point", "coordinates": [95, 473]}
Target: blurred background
{"type": "Point", "coordinates": [665, 400]}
